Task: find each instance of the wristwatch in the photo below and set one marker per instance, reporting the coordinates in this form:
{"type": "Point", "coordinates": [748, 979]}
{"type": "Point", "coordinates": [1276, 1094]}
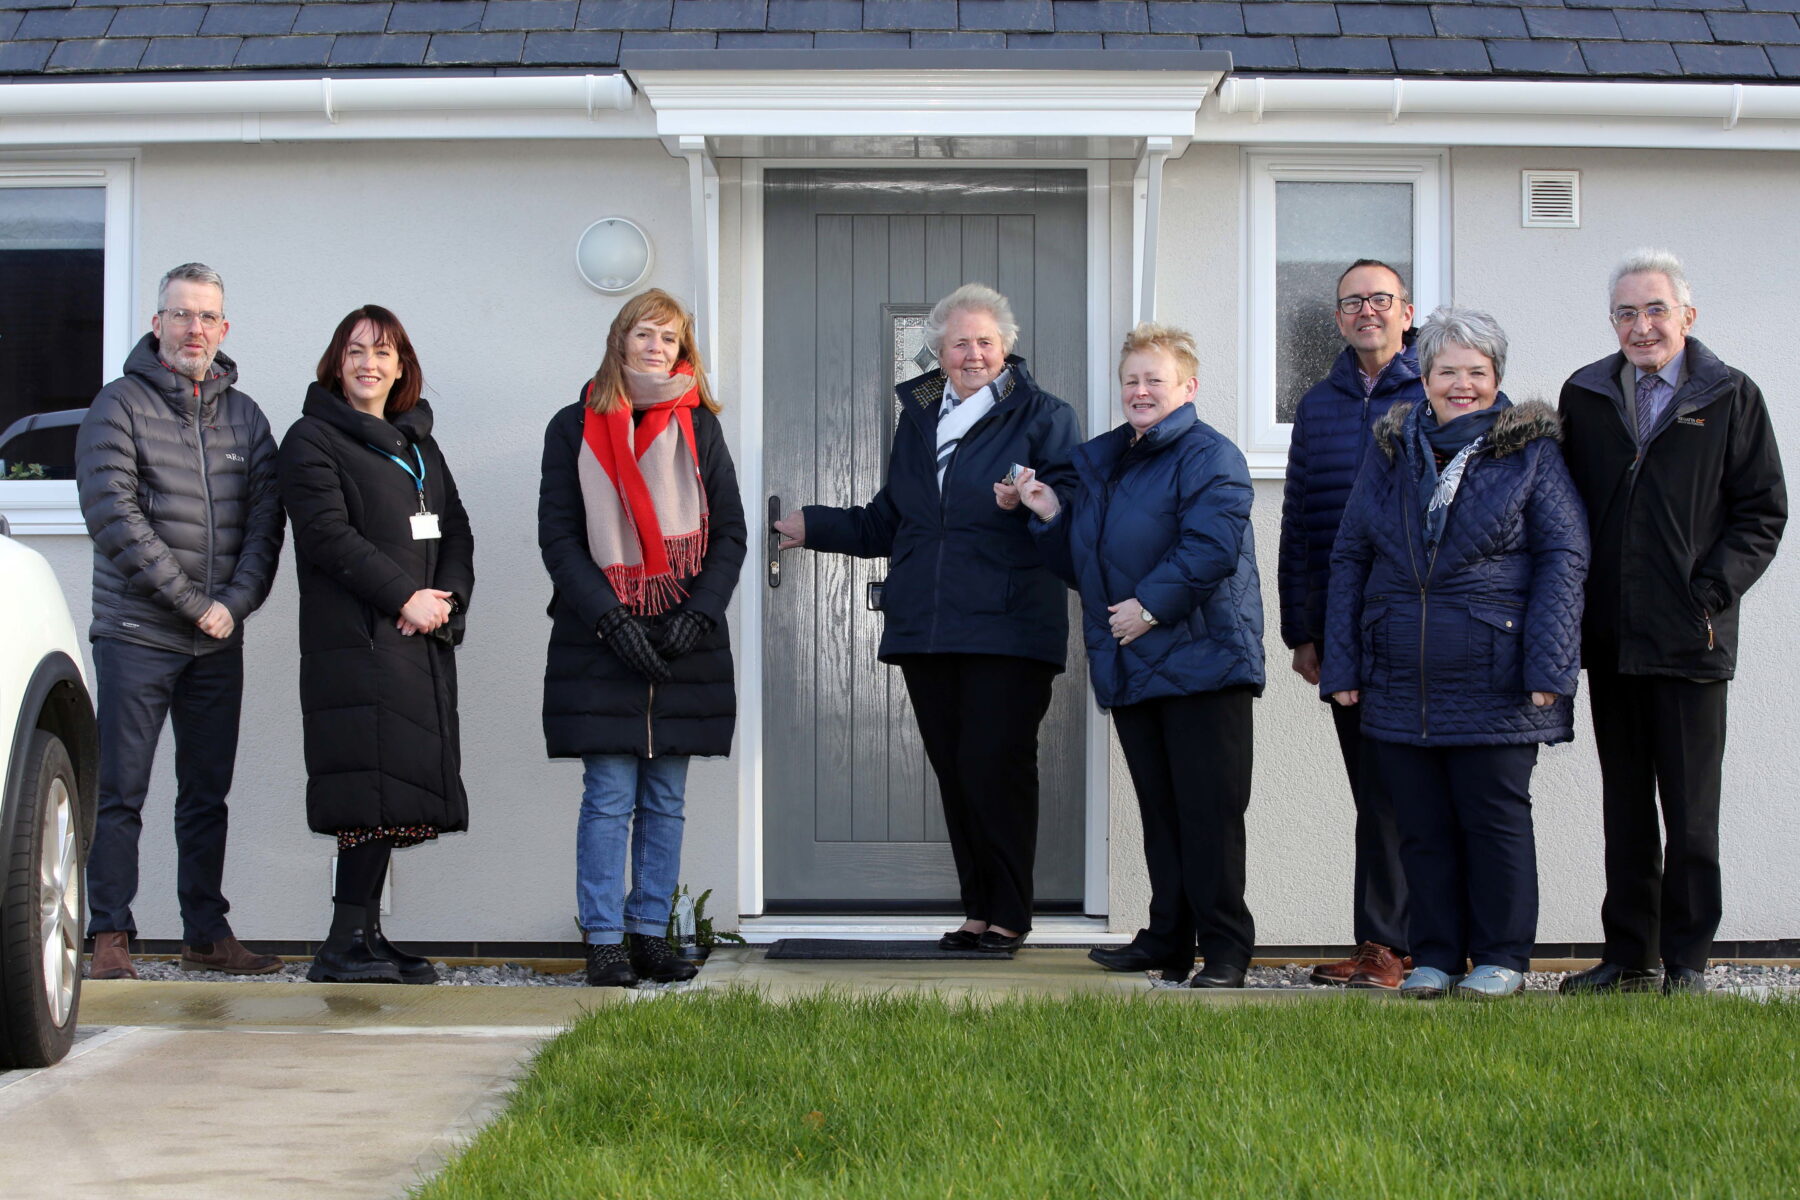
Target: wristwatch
{"type": "Point", "coordinates": [1145, 616]}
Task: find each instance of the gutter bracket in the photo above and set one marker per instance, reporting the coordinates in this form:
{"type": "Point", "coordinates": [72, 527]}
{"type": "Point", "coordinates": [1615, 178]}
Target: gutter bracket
{"type": "Point", "coordinates": [1262, 92]}
{"type": "Point", "coordinates": [1399, 99]}
{"type": "Point", "coordinates": [330, 108]}
{"type": "Point", "coordinates": [1737, 105]}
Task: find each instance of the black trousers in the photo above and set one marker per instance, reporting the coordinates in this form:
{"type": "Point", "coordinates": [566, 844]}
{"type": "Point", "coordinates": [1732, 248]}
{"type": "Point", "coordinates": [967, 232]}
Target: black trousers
{"type": "Point", "coordinates": [1470, 854]}
{"type": "Point", "coordinates": [140, 688]}
{"type": "Point", "coordinates": [1190, 759]}
{"type": "Point", "coordinates": [978, 716]}
{"type": "Point", "coordinates": [1660, 738]}
{"type": "Point", "coordinates": [1378, 890]}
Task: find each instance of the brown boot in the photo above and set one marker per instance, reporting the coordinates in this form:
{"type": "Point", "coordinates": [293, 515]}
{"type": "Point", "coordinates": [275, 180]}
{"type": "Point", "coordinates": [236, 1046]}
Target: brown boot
{"type": "Point", "coordinates": [230, 956]}
{"type": "Point", "coordinates": [1381, 969]}
{"type": "Point", "coordinates": [1337, 974]}
{"type": "Point", "coordinates": [112, 957]}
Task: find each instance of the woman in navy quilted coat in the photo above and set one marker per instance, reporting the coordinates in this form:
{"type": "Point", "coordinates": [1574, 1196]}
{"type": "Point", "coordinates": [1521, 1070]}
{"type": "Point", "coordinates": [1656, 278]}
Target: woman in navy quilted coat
{"type": "Point", "coordinates": [1156, 538]}
{"type": "Point", "coordinates": [1454, 621]}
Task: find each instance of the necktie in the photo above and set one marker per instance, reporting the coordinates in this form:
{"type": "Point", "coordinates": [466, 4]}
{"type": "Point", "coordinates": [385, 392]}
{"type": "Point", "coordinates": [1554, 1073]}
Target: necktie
{"type": "Point", "coordinates": [1647, 407]}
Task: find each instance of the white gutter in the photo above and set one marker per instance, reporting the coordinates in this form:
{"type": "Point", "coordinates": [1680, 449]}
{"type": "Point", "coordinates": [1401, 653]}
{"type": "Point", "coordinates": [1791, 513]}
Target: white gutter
{"type": "Point", "coordinates": [1591, 113]}
{"type": "Point", "coordinates": [327, 97]}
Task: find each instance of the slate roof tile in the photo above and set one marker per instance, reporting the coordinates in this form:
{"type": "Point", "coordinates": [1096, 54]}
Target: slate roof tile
{"type": "Point", "coordinates": [1664, 26]}
{"type": "Point", "coordinates": [684, 39]}
{"type": "Point", "coordinates": [267, 53]}
{"type": "Point", "coordinates": [1630, 58]}
{"type": "Point", "coordinates": [66, 23]}
{"type": "Point", "coordinates": [1440, 56]}
{"type": "Point", "coordinates": [1731, 62]}
{"type": "Point", "coordinates": [1101, 16]}
{"type": "Point", "coordinates": [100, 54]}
{"type": "Point", "coordinates": [1199, 17]}
{"type": "Point", "coordinates": [189, 53]}
{"type": "Point", "coordinates": [1722, 5]}
{"type": "Point", "coordinates": [530, 14]}
{"type": "Point", "coordinates": [436, 16]}
{"type": "Point", "coordinates": [1385, 20]}
{"type": "Point", "coordinates": [1761, 29]}
{"type": "Point", "coordinates": [1786, 60]}
{"type": "Point", "coordinates": [1535, 58]}
{"type": "Point", "coordinates": [1589, 23]}
{"type": "Point", "coordinates": [241, 20]}
{"type": "Point", "coordinates": [1279, 18]}
{"type": "Point", "coordinates": [909, 15]}
{"type": "Point", "coordinates": [342, 18]}
{"type": "Point", "coordinates": [716, 16]}
{"type": "Point", "coordinates": [1054, 41]}
{"type": "Point", "coordinates": [1788, 6]}
{"type": "Point", "coordinates": [1344, 54]}
{"type": "Point", "coordinates": [157, 20]}
{"type": "Point", "coordinates": [9, 24]}
{"type": "Point", "coordinates": [765, 39]}
{"type": "Point", "coordinates": [24, 58]}
{"type": "Point", "coordinates": [623, 14]}
{"type": "Point", "coordinates": [1256, 53]}
{"type": "Point", "coordinates": [1008, 16]}
{"type": "Point", "coordinates": [958, 39]}
{"type": "Point", "coordinates": [585, 48]}
{"type": "Point", "coordinates": [865, 39]}
{"type": "Point", "coordinates": [378, 50]}
{"type": "Point", "coordinates": [474, 49]}
{"type": "Point", "coordinates": [1456, 20]}
{"type": "Point", "coordinates": [814, 16]}
{"type": "Point", "coordinates": [1150, 41]}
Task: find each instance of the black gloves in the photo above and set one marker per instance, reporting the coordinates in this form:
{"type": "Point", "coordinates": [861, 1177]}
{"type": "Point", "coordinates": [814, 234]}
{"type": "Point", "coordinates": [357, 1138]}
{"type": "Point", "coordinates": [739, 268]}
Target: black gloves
{"type": "Point", "coordinates": [681, 631]}
{"type": "Point", "coordinates": [625, 634]}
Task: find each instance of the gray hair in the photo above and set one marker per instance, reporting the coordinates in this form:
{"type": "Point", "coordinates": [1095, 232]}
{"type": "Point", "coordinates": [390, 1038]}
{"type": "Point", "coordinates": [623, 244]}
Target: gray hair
{"type": "Point", "coordinates": [191, 273]}
{"type": "Point", "coordinates": [1650, 260]}
{"type": "Point", "coordinates": [971, 297]}
{"type": "Point", "coordinates": [1467, 327]}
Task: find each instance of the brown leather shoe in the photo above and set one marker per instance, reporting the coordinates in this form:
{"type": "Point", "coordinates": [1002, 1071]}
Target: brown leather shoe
{"type": "Point", "coordinates": [230, 956]}
{"type": "Point", "coordinates": [1337, 974]}
{"type": "Point", "coordinates": [1381, 968]}
{"type": "Point", "coordinates": [112, 957]}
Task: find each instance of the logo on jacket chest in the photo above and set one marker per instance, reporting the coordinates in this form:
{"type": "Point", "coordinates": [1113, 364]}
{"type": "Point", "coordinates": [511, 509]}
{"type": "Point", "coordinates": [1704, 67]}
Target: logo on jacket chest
{"type": "Point", "coordinates": [234, 458]}
{"type": "Point", "coordinates": [1696, 422]}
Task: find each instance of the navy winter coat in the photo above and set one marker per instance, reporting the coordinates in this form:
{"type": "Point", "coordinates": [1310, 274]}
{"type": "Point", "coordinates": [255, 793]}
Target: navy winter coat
{"type": "Point", "coordinates": [966, 577]}
{"type": "Point", "coordinates": [1166, 520]}
{"type": "Point", "coordinates": [1331, 437]}
{"type": "Point", "coordinates": [1447, 645]}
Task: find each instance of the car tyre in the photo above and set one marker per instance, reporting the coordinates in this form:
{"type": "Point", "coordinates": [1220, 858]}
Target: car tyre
{"type": "Point", "coordinates": [41, 853]}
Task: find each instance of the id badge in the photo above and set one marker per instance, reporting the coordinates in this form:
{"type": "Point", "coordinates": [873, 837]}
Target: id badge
{"type": "Point", "coordinates": [425, 526]}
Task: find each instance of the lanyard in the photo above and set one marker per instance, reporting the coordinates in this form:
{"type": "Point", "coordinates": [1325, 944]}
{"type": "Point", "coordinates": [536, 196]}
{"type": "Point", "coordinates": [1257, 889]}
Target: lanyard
{"type": "Point", "coordinates": [418, 477]}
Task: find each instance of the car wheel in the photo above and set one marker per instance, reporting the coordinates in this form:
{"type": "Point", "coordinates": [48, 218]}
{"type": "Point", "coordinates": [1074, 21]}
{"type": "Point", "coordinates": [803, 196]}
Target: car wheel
{"type": "Point", "coordinates": [40, 908]}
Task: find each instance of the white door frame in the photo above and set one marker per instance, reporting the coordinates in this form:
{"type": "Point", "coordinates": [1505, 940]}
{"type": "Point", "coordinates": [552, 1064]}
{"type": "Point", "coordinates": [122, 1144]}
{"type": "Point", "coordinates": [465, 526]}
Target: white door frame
{"type": "Point", "coordinates": [1100, 256]}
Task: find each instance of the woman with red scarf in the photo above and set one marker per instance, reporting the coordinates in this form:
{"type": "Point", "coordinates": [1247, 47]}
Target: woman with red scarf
{"type": "Point", "coordinates": [642, 532]}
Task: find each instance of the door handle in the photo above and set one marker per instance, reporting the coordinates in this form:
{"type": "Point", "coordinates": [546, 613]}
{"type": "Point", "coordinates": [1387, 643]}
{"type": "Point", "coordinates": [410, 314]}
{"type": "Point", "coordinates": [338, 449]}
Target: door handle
{"type": "Point", "coordinates": [774, 542]}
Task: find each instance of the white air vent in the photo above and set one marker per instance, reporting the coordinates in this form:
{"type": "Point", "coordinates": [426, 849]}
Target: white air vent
{"type": "Point", "coordinates": [1552, 199]}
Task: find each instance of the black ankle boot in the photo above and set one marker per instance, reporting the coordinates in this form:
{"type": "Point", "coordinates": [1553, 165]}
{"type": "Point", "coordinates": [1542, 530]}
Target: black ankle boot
{"type": "Point", "coordinates": [609, 965]}
{"type": "Point", "coordinates": [653, 958]}
{"type": "Point", "coordinates": [345, 957]}
{"type": "Point", "coordinates": [412, 968]}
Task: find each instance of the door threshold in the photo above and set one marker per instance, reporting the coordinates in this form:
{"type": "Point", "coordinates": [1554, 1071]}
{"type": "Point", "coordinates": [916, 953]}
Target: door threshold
{"type": "Point", "coordinates": [760, 931]}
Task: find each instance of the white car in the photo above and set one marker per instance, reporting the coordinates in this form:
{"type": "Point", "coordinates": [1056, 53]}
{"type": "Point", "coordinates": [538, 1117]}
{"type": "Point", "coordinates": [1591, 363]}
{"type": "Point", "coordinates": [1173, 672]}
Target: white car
{"type": "Point", "coordinates": [48, 774]}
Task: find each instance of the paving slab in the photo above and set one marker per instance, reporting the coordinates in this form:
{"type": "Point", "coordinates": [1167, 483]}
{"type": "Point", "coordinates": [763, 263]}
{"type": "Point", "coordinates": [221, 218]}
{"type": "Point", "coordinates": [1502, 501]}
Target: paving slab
{"type": "Point", "coordinates": [149, 1114]}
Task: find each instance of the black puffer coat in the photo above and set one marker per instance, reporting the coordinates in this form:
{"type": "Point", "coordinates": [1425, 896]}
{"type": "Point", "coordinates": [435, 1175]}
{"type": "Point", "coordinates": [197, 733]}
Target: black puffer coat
{"type": "Point", "coordinates": [379, 708]}
{"type": "Point", "coordinates": [178, 490]}
{"type": "Point", "coordinates": [593, 702]}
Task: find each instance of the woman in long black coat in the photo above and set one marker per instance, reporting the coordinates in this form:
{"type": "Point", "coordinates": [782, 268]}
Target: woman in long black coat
{"type": "Point", "coordinates": [386, 565]}
{"type": "Point", "coordinates": [642, 531]}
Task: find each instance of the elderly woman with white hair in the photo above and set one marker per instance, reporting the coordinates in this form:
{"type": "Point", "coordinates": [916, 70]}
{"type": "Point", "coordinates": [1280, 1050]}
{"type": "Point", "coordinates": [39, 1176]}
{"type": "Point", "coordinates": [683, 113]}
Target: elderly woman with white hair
{"type": "Point", "coordinates": [972, 617]}
{"type": "Point", "coordinates": [1453, 618]}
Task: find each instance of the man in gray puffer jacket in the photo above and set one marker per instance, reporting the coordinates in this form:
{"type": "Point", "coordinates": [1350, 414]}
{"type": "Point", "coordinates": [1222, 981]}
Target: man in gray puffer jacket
{"type": "Point", "coordinates": [177, 477]}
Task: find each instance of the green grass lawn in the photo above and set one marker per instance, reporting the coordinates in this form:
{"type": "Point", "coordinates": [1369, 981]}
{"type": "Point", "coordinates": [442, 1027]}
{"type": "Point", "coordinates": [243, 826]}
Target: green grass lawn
{"type": "Point", "coordinates": [724, 1094]}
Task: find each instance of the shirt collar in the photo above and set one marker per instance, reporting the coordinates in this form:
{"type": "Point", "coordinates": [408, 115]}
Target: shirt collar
{"type": "Point", "coordinates": [996, 383]}
{"type": "Point", "coordinates": [1671, 372]}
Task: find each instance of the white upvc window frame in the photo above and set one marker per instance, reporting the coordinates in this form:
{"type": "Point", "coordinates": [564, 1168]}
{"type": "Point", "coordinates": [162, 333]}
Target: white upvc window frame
{"type": "Point", "coordinates": [51, 506]}
{"type": "Point", "coordinates": [1264, 440]}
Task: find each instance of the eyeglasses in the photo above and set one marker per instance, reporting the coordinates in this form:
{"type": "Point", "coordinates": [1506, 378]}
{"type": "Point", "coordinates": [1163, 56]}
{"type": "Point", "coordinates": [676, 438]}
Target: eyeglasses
{"type": "Point", "coordinates": [1625, 316]}
{"type": "Point", "coordinates": [1379, 302]}
{"type": "Point", "coordinates": [206, 319]}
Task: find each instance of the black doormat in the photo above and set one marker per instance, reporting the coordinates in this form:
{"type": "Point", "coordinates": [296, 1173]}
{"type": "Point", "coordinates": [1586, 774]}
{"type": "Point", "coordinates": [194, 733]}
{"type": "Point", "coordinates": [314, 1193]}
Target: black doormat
{"type": "Point", "coordinates": [841, 950]}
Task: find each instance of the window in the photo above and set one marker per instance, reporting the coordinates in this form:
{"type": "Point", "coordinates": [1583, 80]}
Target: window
{"type": "Point", "coordinates": [1309, 217]}
{"type": "Point", "coordinates": [65, 325]}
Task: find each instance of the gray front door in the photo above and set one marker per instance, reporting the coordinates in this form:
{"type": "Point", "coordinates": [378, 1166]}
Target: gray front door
{"type": "Point", "coordinates": [853, 262]}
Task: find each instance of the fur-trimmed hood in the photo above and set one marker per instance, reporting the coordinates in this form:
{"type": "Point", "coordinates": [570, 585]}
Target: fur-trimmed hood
{"type": "Point", "coordinates": [1513, 430]}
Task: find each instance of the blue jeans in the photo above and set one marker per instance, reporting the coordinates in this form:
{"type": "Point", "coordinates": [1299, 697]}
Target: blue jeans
{"type": "Point", "coordinates": [614, 789]}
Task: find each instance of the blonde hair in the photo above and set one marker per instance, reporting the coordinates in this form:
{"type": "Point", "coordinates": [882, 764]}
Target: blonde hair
{"type": "Point", "coordinates": [1178, 344]}
{"type": "Point", "coordinates": [659, 308]}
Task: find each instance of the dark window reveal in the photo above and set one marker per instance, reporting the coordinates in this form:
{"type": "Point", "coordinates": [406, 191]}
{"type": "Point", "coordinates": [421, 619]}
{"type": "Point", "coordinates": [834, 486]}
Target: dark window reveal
{"type": "Point", "coordinates": [52, 260]}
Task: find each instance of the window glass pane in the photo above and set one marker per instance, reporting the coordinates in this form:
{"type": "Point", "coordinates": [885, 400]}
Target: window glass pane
{"type": "Point", "coordinates": [52, 260]}
{"type": "Point", "coordinates": [1321, 228]}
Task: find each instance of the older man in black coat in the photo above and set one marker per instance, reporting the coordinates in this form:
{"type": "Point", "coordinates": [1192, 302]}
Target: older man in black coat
{"type": "Point", "coordinates": [1673, 454]}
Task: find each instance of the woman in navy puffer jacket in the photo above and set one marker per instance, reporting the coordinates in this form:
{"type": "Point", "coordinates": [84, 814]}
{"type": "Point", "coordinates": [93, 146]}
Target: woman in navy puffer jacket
{"type": "Point", "coordinates": [1454, 621]}
{"type": "Point", "coordinates": [1156, 538]}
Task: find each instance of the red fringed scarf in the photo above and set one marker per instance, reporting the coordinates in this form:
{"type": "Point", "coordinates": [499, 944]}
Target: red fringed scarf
{"type": "Point", "coordinates": [645, 502]}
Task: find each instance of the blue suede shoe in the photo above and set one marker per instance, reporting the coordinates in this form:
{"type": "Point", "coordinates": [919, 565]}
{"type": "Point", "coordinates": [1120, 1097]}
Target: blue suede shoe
{"type": "Point", "coordinates": [1426, 983]}
{"type": "Point", "coordinates": [1491, 982]}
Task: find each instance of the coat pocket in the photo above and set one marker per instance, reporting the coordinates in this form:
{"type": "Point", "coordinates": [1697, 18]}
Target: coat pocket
{"type": "Point", "coordinates": [1496, 636]}
{"type": "Point", "coordinates": [1377, 645]}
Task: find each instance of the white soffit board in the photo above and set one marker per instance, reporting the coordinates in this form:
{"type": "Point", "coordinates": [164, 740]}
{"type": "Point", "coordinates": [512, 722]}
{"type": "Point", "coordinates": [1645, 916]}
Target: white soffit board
{"type": "Point", "coordinates": [926, 104]}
